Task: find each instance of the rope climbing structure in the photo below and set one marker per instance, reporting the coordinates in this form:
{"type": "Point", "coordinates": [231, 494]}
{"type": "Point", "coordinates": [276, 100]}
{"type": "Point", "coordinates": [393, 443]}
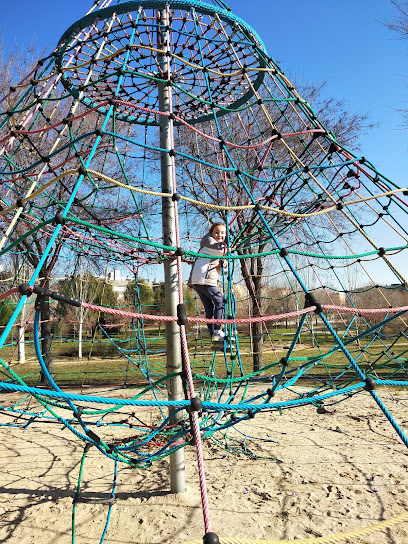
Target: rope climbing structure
{"type": "Point", "coordinates": [150, 120]}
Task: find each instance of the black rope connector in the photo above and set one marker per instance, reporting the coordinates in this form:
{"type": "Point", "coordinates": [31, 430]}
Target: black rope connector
{"type": "Point", "coordinates": [284, 362]}
{"type": "Point", "coordinates": [99, 132]}
{"type": "Point", "coordinates": [59, 219]}
{"type": "Point", "coordinates": [172, 116]}
{"type": "Point", "coordinates": [179, 252]}
{"type": "Point", "coordinates": [351, 174]}
{"type": "Point", "coordinates": [238, 172]}
{"type": "Point", "coordinates": [175, 197]}
{"type": "Point", "coordinates": [306, 169]}
{"type": "Point", "coordinates": [257, 207]}
{"type": "Point", "coordinates": [332, 148]}
{"type": "Point", "coordinates": [196, 405]}
{"type": "Point", "coordinates": [369, 384]}
{"type": "Point", "coordinates": [222, 143]}
{"type": "Point", "coordinates": [270, 393]}
{"type": "Point", "coordinates": [42, 292]}
{"type": "Point", "coordinates": [211, 538]}
{"type": "Point", "coordinates": [381, 251]}
{"type": "Point", "coordinates": [405, 192]}
{"type": "Point", "coordinates": [172, 153]}
{"type": "Point", "coordinates": [339, 206]}
{"type": "Point", "coordinates": [181, 314]}
{"type": "Point", "coordinates": [251, 414]}
{"type": "Point", "coordinates": [283, 252]}
{"type": "Point", "coordinates": [82, 170]}
{"type": "Point", "coordinates": [93, 436]}
{"type": "Point", "coordinates": [310, 300]}
{"type": "Point", "coordinates": [19, 203]}
{"type": "Point", "coordinates": [25, 289]}
{"type": "Point", "coordinates": [78, 412]}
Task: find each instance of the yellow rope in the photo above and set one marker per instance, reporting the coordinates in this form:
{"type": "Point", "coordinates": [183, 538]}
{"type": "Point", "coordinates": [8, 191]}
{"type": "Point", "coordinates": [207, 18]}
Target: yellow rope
{"type": "Point", "coordinates": [118, 52]}
{"type": "Point", "coordinates": [246, 207]}
{"type": "Point", "coordinates": [333, 539]}
{"type": "Point", "coordinates": [36, 193]}
{"type": "Point", "coordinates": [192, 201]}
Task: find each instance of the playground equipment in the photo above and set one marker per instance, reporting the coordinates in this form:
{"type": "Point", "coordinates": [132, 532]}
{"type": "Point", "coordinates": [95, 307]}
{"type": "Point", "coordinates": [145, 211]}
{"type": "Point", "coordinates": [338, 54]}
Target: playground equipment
{"type": "Point", "coordinates": [147, 121]}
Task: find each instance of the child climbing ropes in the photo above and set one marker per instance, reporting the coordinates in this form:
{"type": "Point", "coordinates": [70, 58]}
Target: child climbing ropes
{"type": "Point", "coordinates": [204, 278]}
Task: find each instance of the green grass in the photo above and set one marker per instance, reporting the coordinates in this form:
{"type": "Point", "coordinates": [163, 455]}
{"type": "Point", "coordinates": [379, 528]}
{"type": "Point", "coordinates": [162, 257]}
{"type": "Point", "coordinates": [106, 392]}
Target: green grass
{"type": "Point", "coordinates": [103, 364]}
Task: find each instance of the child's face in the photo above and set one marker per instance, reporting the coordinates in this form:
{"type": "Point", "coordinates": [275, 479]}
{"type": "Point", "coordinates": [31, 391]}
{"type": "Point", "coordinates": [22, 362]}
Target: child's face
{"type": "Point", "coordinates": [219, 233]}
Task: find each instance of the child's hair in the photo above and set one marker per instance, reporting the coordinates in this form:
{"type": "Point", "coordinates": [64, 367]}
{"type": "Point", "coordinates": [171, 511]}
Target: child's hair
{"type": "Point", "coordinates": [218, 224]}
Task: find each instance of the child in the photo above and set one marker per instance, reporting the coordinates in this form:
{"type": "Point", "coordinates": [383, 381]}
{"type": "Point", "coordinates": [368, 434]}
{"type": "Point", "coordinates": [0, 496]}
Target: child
{"type": "Point", "coordinates": [204, 278]}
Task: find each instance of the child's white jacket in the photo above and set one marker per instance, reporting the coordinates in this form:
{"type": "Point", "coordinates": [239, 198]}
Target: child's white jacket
{"type": "Point", "coordinates": [204, 270]}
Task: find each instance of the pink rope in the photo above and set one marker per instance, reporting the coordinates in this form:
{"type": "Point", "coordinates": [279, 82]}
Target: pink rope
{"type": "Point", "coordinates": [367, 311]}
{"type": "Point", "coordinates": [12, 291]}
{"type": "Point", "coordinates": [215, 139]}
{"type": "Point", "coordinates": [277, 317]}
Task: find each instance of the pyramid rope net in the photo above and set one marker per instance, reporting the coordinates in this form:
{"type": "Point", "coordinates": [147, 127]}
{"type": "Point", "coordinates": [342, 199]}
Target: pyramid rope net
{"type": "Point", "coordinates": [316, 237]}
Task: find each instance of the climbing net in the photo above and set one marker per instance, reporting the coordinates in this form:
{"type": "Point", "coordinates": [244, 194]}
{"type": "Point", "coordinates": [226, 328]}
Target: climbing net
{"type": "Point", "coordinates": [146, 110]}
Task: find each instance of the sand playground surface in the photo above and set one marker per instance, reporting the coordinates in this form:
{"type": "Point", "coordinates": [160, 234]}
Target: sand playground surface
{"type": "Point", "coordinates": [312, 475]}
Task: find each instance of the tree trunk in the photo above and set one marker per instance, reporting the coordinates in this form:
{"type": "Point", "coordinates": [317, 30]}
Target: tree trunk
{"type": "Point", "coordinates": [46, 334]}
{"type": "Point", "coordinates": [257, 271]}
{"type": "Point", "coordinates": [254, 282]}
{"type": "Point", "coordinates": [257, 339]}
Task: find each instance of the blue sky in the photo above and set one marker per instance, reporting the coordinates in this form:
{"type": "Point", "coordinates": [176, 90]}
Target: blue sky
{"type": "Point", "coordinates": [345, 43]}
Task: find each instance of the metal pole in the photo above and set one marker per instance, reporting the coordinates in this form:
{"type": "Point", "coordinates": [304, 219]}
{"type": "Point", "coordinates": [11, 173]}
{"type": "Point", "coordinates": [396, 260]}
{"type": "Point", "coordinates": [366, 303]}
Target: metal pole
{"type": "Point", "coordinates": [21, 338]}
{"type": "Point", "coordinates": [173, 345]}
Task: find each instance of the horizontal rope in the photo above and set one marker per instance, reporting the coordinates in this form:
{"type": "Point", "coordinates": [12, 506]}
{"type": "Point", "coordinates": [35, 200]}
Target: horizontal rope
{"type": "Point", "coordinates": [244, 207]}
{"type": "Point", "coordinates": [9, 293]}
{"type": "Point", "coordinates": [332, 539]}
{"type": "Point", "coordinates": [258, 319]}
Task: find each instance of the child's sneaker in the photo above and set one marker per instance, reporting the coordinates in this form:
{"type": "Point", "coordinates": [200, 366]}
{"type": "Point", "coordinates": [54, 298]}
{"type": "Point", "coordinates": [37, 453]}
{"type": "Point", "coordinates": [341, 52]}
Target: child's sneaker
{"type": "Point", "coordinates": [218, 336]}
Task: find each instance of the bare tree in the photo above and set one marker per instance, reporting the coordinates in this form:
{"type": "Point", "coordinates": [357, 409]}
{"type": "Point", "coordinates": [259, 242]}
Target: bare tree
{"type": "Point", "coordinates": [252, 145]}
{"type": "Point", "coordinates": [47, 136]}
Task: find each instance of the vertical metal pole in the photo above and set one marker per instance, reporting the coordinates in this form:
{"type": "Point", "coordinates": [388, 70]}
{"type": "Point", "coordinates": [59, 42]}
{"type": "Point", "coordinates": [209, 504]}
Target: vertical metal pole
{"type": "Point", "coordinates": [81, 309]}
{"type": "Point", "coordinates": [21, 336]}
{"type": "Point", "coordinates": [21, 327]}
{"type": "Point", "coordinates": [173, 345]}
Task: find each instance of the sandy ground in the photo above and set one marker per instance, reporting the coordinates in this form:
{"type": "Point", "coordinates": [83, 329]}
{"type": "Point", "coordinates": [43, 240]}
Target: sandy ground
{"type": "Point", "coordinates": [335, 473]}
